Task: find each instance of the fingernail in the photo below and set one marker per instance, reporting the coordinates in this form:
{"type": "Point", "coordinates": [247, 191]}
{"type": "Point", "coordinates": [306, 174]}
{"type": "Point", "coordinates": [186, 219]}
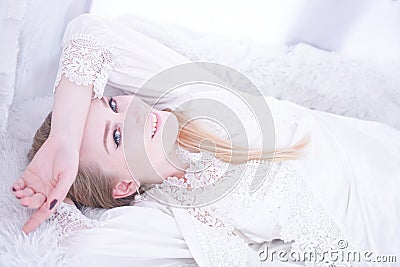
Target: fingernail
{"type": "Point", "coordinates": [53, 203]}
{"type": "Point", "coordinates": [18, 197]}
{"type": "Point", "coordinates": [13, 189]}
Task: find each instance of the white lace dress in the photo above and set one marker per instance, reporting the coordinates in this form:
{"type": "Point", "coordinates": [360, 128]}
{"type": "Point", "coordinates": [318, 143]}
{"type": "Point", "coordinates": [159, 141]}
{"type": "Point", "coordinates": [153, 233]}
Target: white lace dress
{"type": "Point", "coordinates": [340, 197]}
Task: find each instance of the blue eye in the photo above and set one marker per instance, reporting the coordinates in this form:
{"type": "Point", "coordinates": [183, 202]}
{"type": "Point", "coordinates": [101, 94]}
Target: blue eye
{"type": "Point", "coordinates": [113, 104]}
{"type": "Point", "coordinates": [117, 136]}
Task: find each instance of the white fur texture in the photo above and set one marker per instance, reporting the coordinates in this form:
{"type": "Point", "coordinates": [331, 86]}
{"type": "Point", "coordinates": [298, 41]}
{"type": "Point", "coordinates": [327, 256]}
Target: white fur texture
{"type": "Point", "coordinates": [302, 74]}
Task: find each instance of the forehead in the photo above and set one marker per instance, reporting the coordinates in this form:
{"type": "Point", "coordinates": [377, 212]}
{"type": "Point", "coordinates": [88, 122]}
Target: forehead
{"type": "Point", "coordinates": [92, 141]}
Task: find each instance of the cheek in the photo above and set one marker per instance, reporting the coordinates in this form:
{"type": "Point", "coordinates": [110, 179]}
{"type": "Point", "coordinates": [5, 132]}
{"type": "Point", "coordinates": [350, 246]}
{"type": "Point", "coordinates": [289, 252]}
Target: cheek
{"type": "Point", "coordinates": [153, 154]}
{"type": "Point", "coordinates": [92, 150]}
{"type": "Point", "coordinates": [145, 154]}
{"type": "Point", "coordinates": [119, 167]}
{"type": "Point", "coordinates": [139, 153]}
{"type": "Point", "coordinates": [89, 154]}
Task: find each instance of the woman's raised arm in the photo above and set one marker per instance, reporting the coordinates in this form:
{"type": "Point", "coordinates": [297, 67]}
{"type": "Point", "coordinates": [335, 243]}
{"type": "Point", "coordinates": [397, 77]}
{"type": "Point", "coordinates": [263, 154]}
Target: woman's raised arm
{"type": "Point", "coordinates": [47, 179]}
{"type": "Point", "coordinates": [96, 51]}
{"type": "Point", "coordinates": [85, 64]}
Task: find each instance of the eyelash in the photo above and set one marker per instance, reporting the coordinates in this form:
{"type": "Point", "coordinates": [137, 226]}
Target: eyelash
{"type": "Point", "coordinates": [117, 136]}
{"type": "Point", "coordinates": [117, 132]}
{"type": "Point", "coordinates": [113, 105]}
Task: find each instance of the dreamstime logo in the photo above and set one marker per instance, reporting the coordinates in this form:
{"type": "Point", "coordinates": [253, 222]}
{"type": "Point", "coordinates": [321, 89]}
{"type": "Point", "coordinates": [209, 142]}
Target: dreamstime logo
{"type": "Point", "coordinates": [342, 244]}
{"type": "Point", "coordinates": [324, 258]}
{"type": "Point", "coordinates": [217, 97]}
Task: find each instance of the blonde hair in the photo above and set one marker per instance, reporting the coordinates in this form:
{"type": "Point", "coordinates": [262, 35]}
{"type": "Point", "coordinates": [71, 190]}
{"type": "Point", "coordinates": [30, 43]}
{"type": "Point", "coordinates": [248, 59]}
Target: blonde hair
{"type": "Point", "coordinates": [192, 134]}
{"type": "Point", "coordinates": [93, 187]}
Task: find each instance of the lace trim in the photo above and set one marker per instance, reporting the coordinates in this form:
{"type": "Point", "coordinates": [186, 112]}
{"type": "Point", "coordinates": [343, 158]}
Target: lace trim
{"type": "Point", "coordinates": [290, 203]}
{"type": "Point", "coordinates": [207, 179]}
{"type": "Point", "coordinates": [216, 224]}
{"type": "Point", "coordinates": [213, 222]}
{"type": "Point", "coordinates": [221, 246]}
{"type": "Point", "coordinates": [86, 61]}
{"type": "Point", "coordinates": [283, 195]}
{"type": "Point", "coordinates": [304, 220]}
{"type": "Point", "coordinates": [69, 219]}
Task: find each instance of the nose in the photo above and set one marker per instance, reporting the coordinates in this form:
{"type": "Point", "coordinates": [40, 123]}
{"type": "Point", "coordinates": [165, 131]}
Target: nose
{"type": "Point", "coordinates": [137, 112]}
{"type": "Point", "coordinates": [119, 117]}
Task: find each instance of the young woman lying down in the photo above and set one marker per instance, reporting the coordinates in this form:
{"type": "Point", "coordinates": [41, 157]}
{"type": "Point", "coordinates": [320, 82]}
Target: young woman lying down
{"type": "Point", "coordinates": [181, 190]}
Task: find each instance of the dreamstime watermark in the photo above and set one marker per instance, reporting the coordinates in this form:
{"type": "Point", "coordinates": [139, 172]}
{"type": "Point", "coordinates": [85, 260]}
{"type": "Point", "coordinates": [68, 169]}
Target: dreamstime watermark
{"type": "Point", "coordinates": [325, 258]}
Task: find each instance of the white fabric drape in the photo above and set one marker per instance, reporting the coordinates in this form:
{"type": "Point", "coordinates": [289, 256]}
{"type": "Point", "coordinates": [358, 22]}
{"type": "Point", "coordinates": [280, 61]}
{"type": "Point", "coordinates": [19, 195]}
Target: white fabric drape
{"type": "Point", "coordinates": [139, 236]}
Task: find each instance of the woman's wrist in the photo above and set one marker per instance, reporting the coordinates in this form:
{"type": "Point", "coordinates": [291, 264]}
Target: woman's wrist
{"type": "Point", "coordinates": [70, 109]}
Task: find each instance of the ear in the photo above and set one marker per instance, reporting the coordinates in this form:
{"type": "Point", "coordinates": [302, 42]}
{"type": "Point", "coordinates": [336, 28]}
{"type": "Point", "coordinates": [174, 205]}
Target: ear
{"type": "Point", "coordinates": [124, 188]}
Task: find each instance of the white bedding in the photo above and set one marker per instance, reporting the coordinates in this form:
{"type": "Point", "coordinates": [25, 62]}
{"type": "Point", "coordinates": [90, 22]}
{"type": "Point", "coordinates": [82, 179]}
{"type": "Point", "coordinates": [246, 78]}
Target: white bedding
{"type": "Point", "coordinates": [302, 74]}
{"type": "Point", "coordinates": [30, 38]}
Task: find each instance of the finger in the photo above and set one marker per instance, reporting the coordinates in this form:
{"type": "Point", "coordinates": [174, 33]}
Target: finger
{"type": "Point", "coordinates": [27, 192]}
{"type": "Point", "coordinates": [18, 185]}
{"type": "Point", "coordinates": [39, 216]}
{"type": "Point", "coordinates": [34, 201]}
{"type": "Point", "coordinates": [12, 188]}
{"type": "Point", "coordinates": [56, 196]}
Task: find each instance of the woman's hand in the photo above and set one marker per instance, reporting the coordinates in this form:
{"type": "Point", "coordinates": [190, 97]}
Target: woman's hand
{"type": "Point", "coordinates": [46, 181]}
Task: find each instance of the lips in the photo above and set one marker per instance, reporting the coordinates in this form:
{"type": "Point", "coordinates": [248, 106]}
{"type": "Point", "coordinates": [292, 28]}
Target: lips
{"type": "Point", "coordinates": [154, 124]}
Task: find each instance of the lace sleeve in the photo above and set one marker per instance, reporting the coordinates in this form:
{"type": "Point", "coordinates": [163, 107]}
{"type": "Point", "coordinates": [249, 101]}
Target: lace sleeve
{"type": "Point", "coordinates": [85, 61]}
{"type": "Point", "coordinates": [70, 219]}
{"type": "Point", "coordinates": [87, 57]}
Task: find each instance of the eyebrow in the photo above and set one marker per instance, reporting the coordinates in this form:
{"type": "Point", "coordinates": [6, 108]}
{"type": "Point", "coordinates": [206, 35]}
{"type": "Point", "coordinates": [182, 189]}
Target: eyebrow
{"type": "Point", "coordinates": [106, 132]}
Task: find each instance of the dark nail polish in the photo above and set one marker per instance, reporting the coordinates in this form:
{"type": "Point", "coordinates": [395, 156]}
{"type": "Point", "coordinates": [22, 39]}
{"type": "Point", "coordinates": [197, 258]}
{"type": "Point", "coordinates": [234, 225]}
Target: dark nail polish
{"type": "Point", "coordinates": [13, 189]}
{"type": "Point", "coordinates": [53, 203]}
{"type": "Point", "coordinates": [18, 197]}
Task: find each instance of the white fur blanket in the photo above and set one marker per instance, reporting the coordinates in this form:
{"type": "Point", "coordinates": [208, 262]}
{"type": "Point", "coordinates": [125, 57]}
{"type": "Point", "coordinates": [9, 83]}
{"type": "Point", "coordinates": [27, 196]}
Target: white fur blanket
{"type": "Point", "coordinates": [302, 74]}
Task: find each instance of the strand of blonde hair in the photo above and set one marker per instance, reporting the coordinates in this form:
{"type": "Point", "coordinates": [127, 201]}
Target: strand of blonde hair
{"type": "Point", "coordinates": [192, 136]}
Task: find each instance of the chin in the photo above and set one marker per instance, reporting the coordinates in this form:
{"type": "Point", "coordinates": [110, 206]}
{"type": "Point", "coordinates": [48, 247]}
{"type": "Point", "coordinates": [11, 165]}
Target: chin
{"type": "Point", "coordinates": [169, 132]}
